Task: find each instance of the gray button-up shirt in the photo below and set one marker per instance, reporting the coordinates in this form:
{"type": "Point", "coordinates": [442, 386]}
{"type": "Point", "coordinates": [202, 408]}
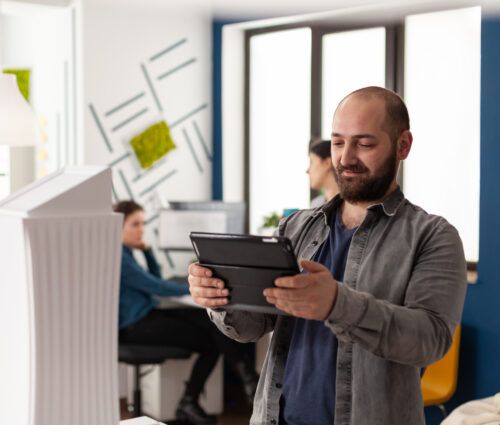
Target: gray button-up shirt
{"type": "Point", "coordinates": [402, 296]}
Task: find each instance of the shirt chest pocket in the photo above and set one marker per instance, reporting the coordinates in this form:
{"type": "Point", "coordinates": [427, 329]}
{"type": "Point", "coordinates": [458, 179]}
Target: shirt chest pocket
{"type": "Point", "coordinates": [384, 273]}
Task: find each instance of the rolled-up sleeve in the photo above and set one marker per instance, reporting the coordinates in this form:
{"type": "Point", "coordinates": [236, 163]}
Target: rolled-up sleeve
{"type": "Point", "coordinates": [242, 326]}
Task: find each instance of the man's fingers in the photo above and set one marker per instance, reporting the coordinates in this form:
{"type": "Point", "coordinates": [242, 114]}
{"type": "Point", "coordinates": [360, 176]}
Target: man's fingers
{"type": "Point", "coordinates": [201, 276]}
{"type": "Point", "coordinates": [298, 281]}
{"type": "Point", "coordinates": [271, 300]}
{"type": "Point", "coordinates": [302, 280]}
{"type": "Point", "coordinates": [196, 270]}
{"type": "Point", "coordinates": [210, 302]}
{"type": "Point", "coordinates": [283, 294]}
{"type": "Point", "coordinates": [285, 306]}
{"type": "Point", "coordinates": [312, 266]}
{"type": "Point", "coordinates": [209, 282]}
{"type": "Point", "coordinates": [204, 292]}
{"type": "Point", "coordinates": [295, 309]}
{"type": "Point", "coordinates": [281, 304]}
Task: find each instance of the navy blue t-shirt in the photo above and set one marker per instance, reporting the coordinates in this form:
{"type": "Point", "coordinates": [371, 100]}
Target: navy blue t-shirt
{"type": "Point", "coordinates": [309, 383]}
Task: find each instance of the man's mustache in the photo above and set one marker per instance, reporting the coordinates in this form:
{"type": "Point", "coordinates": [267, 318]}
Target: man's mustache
{"type": "Point", "coordinates": [358, 168]}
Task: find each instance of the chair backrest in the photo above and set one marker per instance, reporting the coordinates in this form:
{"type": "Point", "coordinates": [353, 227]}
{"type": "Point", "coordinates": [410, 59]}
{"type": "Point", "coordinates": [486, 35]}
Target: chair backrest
{"type": "Point", "coordinates": [442, 375]}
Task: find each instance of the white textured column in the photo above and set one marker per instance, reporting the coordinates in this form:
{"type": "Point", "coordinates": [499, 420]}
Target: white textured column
{"type": "Point", "coordinates": [73, 266]}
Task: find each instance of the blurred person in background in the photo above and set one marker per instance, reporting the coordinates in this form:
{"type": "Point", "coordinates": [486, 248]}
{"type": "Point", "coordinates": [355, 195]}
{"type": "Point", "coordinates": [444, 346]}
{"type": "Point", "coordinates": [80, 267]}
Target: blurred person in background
{"type": "Point", "coordinates": [141, 322]}
{"type": "Point", "coordinates": [321, 173]}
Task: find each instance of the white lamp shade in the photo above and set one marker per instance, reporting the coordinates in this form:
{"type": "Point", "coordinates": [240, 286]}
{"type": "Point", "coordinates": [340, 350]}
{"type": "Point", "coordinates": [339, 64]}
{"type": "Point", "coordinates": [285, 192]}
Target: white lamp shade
{"type": "Point", "coordinates": [17, 120]}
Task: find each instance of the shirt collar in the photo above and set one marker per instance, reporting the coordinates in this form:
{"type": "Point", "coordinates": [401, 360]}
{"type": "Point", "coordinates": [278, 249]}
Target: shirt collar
{"type": "Point", "coordinates": [388, 206]}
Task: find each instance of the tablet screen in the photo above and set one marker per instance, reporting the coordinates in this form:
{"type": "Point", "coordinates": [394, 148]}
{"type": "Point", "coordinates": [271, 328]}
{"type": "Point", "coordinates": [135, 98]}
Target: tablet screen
{"type": "Point", "coordinates": [244, 250]}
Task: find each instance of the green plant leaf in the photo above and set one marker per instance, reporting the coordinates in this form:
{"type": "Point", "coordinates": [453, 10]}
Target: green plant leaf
{"type": "Point", "coordinates": [271, 220]}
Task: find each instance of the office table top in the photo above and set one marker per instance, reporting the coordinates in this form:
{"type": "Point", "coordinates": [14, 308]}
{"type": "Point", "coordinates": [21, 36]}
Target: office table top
{"type": "Point", "coordinates": [177, 302]}
{"type": "Point", "coordinates": [143, 420]}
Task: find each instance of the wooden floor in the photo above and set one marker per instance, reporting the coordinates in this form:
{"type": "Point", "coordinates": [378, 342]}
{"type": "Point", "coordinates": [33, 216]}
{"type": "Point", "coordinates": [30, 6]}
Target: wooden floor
{"type": "Point", "coordinates": [236, 411]}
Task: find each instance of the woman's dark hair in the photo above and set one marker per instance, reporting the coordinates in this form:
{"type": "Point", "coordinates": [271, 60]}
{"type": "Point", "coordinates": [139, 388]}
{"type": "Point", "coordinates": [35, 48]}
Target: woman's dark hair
{"type": "Point", "coordinates": [127, 208]}
{"type": "Point", "coordinates": [319, 147]}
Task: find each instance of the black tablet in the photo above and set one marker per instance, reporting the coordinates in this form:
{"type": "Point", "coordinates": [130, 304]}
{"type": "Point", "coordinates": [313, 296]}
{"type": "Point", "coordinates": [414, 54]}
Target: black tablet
{"type": "Point", "coordinates": [247, 264]}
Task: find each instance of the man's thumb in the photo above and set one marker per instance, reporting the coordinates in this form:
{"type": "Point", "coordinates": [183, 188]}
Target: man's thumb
{"type": "Point", "coordinates": [312, 266]}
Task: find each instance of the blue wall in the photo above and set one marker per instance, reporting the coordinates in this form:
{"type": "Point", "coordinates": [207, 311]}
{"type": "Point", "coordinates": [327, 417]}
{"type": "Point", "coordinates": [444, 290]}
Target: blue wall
{"type": "Point", "coordinates": [480, 371]}
{"type": "Point", "coordinates": [217, 109]}
{"type": "Point", "coordinates": [217, 185]}
{"type": "Point", "coordinates": [480, 348]}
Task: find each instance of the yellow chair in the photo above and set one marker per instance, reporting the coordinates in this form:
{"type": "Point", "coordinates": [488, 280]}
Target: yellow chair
{"type": "Point", "coordinates": [440, 378]}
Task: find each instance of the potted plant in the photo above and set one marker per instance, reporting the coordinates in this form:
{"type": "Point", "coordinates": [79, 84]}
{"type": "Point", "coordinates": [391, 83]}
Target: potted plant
{"type": "Point", "coordinates": [269, 224]}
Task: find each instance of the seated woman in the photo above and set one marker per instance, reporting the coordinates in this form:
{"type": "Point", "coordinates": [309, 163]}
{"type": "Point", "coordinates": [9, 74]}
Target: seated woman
{"type": "Point", "coordinates": [321, 173]}
{"type": "Point", "coordinates": [140, 322]}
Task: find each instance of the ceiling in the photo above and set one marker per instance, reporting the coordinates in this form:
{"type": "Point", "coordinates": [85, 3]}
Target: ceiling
{"type": "Point", "coordinates": [254, 8]}
{"type": "Point", "coordinates": [221, 8]}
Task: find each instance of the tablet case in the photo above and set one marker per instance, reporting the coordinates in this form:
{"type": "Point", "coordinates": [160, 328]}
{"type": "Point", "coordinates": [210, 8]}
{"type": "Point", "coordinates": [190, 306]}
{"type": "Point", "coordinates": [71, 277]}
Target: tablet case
{"type": "Point", "coordinates": [247, 264]}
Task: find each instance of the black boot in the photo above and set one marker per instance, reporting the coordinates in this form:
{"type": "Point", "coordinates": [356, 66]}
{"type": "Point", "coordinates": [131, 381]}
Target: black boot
{"type": "Point", "coordinates": [249, 378]}
{"type": "Point", "coordinates": [189, 410]}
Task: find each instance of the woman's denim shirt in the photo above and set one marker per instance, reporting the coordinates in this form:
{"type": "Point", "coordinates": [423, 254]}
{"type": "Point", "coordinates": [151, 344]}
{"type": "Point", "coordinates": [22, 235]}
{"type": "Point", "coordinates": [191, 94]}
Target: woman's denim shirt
{"type": "Point", "coordinates": [402, 296]}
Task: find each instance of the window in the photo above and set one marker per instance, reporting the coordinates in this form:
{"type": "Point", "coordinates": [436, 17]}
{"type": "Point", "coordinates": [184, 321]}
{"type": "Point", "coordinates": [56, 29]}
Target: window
{"type": "Point", "coordinates": [351, 59]}
{"type": "Point", "coordinates": [442, 92]}
{"type": "Point", "coordinates": [431, 59]}
{"type": "Point", "coordinates": [279, 124]}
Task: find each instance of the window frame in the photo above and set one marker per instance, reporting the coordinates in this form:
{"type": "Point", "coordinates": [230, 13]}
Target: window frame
{"type": "Point", "coordinates": [394, 76]}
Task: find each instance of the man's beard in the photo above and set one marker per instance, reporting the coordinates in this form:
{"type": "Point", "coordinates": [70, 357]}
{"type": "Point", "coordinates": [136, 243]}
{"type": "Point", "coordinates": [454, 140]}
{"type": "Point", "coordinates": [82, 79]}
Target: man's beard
{"type": "Point", "coordinates": [366, 188]}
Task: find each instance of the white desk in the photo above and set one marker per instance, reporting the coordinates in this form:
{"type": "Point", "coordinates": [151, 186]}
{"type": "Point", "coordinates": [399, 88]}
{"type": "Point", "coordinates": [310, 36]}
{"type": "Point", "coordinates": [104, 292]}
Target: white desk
{"type": "Point", "coordinates": [261, 345]}
{"type": "Point", "coordinates": [178, 302]}
{"type": "Point", "coordinates": [143, 420]}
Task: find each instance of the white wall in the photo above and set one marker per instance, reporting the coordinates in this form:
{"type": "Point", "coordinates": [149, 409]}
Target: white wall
{"type": "Point", "coordinates": [118, 41]}
{"type": "Point", "coordinates": [39, 38]}
{"type": "Point", "coordinates": [4, 150]}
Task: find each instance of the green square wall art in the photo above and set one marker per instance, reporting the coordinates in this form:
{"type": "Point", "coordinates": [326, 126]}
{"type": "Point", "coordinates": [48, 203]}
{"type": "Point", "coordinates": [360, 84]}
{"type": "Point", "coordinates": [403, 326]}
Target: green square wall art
{"type": "Point", "coordinates": [23, 80]}
{"type": "Point", "coordinates": [152, 144]}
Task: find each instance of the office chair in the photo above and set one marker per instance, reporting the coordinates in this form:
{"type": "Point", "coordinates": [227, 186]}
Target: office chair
{"type": "Point", "coordinates": [137, 355]}
{"type": "Point", "coordinates": [440, 378]}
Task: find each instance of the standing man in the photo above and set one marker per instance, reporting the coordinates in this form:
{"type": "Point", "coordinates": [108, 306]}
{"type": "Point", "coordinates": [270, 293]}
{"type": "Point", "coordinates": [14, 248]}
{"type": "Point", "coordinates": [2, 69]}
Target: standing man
{"type": "Point", "coordinates": [379, 300]}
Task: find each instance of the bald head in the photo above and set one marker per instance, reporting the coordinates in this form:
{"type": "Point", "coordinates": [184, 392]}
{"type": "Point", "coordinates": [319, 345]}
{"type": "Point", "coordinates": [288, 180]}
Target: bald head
{"type": "Point", "coordinates": [396, 120]}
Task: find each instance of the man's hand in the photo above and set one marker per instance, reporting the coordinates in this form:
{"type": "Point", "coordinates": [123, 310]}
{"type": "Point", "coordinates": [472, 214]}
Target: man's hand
{"type": "Point", "coordinates": [310, 295]}
{"type": "Point", "coordinates": [206, 290]}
